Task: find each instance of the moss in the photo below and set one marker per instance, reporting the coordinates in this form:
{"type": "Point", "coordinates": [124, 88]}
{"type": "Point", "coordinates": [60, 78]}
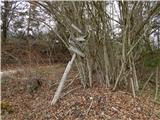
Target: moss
{"type": "Point", "coordinates": [6, 107]}
{"type": "Point", "coordinates": [152, 59]}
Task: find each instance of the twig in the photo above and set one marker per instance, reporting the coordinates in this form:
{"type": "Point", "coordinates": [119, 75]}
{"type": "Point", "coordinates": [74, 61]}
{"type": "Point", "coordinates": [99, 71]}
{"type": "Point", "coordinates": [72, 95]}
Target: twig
{"type": "Point", "coordinates": [57, 82]}
{"type": "Point", "coordinates": [146, 82]}
{"type": "Point", "coordinates": [118, 78]}
{"type": "Point", "coordinates": [157, 86]}
{"type": "Point", "coordinates": [89, 107]}
{"type": "Point", "coordinates": [70, 91]}
{"type": "Point", "coordinates": [72, 80]}
{"type": "Point", "coordinates": [76, 28]}
{"type": "Point", "coordinates": [156, 102]}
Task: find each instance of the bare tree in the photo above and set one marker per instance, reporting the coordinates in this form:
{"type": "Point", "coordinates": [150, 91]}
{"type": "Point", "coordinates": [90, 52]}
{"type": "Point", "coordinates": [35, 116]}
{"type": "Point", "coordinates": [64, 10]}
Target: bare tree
{"type": "Point", "coordinates": [92, 37]}
{"type": "Point", "coordinates": [5, 15]}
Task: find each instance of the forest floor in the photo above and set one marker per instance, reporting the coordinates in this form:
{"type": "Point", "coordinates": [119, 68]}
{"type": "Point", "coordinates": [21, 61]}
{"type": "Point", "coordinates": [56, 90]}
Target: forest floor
{"type": "Point", "coordinates": [75, 103]}
{"type": "Point", "coordinates": [96, 103]}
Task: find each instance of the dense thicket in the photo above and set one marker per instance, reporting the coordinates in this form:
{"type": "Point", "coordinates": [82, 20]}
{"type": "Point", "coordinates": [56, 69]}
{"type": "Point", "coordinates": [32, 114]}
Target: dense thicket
{"type": "Point", "coordinates": [108, 47]}
{"type": "Point", "coordinates": [109, 38]}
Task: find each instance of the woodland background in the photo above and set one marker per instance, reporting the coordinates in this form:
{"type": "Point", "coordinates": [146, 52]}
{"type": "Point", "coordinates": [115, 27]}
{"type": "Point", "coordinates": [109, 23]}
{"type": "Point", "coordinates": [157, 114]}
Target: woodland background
{"type": "Point", "coordinates": [114, 47]}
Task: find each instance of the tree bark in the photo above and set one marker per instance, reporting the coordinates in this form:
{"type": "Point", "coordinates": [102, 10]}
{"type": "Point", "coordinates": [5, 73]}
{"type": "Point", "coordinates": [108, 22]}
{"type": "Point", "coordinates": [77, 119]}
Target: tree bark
{"type": "Point", "coordinates": [5, 20]}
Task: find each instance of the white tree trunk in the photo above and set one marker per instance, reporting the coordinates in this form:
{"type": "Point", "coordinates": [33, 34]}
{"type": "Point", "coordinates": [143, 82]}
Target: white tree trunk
{"type": "Point", "coordinates": [64, 77]}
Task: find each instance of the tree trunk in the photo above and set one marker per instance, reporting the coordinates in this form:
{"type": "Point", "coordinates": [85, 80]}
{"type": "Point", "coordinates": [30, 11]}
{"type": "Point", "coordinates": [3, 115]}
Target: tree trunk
{"type": "Point", "coordinates": [5, 21]}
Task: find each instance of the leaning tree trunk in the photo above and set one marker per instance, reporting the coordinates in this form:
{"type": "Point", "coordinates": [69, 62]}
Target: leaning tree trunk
{"type": "Point", "coordinates": [64, 77]}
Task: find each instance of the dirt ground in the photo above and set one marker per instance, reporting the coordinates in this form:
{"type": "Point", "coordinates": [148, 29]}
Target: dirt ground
{"type": "Point", "coordinates": [76, 103]}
